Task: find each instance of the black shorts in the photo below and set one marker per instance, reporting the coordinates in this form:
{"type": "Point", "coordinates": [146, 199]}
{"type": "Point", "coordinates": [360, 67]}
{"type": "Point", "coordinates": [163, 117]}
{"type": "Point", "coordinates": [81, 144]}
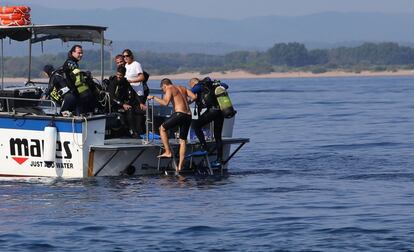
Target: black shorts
{"type": "Point", "coordinates": [179, 119]}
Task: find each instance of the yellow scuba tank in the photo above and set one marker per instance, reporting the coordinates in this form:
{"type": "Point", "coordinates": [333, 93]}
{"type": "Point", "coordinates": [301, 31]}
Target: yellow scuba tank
{"type": "Point", "coordinates": [224, 102]}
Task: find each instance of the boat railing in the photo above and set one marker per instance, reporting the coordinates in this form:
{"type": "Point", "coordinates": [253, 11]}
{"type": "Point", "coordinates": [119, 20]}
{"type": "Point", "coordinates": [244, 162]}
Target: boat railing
{"type": "Point", "coordinates": [33, 83]}
{"type": "Point", "coordinates": [153, 115]}
{"type": "Point", "coordinates": [7, 104]}
{"type": "Point", "coordinates": [149, 122]}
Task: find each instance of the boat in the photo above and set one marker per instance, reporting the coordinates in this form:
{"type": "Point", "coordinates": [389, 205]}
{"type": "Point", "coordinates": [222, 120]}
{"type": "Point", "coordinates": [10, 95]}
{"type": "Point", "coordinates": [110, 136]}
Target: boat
{"type": "Point", "coordinates": [37, 141]}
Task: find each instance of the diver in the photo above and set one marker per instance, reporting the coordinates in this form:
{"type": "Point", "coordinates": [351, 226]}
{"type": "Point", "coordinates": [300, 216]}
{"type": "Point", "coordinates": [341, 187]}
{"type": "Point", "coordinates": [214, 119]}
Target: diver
{"type": "Point", "coordinates": [59, 90]}
{"type": "Point", "coordinates": [206, 99]}
{"type": "Point", "coordinates": [125, 100]}
{"type": "Point", "coordinates": [81, 81]}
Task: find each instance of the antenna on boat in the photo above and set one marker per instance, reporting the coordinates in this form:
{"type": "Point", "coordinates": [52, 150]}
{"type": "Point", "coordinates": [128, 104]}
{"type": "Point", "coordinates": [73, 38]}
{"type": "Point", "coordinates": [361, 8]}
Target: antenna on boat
{"type": "Point", "coordinates": [111, 55]}
{"type": "Point", "coordinates": [30, 57]}
{"type": "Point", "coordinates": [102, 55]}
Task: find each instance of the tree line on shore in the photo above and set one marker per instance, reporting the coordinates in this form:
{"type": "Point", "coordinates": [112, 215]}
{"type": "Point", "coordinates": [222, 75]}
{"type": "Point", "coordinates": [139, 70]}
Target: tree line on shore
{"type": "Point", "coordinates": [282, 57]}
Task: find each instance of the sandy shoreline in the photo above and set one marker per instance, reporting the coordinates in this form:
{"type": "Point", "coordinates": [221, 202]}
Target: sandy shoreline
{"type": "Point", "coordinates": [246, 75]}
{"type": "Point", "coordinates": [274, 75]}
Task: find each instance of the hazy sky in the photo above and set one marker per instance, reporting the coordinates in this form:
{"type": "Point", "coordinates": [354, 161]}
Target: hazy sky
{"type": "Point", "coordinates": [236, 9]}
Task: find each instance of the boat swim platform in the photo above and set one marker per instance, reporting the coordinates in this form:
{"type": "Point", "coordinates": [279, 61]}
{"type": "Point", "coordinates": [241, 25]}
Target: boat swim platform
{"type": "Point", "coordinates": [137, 147]}
{"type": "Point", "coordinates": [139, 144]}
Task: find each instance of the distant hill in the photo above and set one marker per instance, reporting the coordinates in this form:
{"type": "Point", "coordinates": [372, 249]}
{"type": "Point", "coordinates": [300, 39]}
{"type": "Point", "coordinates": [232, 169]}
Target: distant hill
{"type": "Point", "coordinates": [20, 49]}
{"type": "Point", "coordinates": [145, 29]}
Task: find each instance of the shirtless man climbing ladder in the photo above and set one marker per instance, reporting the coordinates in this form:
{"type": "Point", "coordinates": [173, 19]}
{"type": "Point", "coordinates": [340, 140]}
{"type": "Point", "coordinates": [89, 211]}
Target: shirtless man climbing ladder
{"type": "Point", "coordinates": [181, 117]}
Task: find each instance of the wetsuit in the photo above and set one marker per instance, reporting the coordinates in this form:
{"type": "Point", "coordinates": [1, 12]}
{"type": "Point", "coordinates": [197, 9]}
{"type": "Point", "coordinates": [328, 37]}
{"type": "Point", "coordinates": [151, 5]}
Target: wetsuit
{"type": "Point", "coordinates": [83, 96]}
{"type": "Point", "coordinates": [121, 92]}
{"type": "Point", "coordinates": [212, 114]}
{"type": "Point", "coordinates": [60, 92]}
{"type": "Point", "coordinates": [179, 119]}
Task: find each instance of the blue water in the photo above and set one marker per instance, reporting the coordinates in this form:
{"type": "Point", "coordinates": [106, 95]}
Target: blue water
{"type": "Point", "coordinates": [329, 168]}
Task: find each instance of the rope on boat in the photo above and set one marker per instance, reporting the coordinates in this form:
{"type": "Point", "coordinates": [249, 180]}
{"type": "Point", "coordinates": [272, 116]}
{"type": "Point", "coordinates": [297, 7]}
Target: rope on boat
{"type": "Point", "coordinates": [75, 140]}
{"type": "Point", "coordinates": [105, 101]}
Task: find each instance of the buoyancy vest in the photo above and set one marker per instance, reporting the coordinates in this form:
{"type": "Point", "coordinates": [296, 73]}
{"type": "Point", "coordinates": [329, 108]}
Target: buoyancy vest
{"type": "Point", "coordinates": [80, 81]}
{"type": "Point", "coordinates": [58, 86]}
{"type": "Point", "coordinates": [75, 76]}
{"type": "Point", "coordinates": [54, 94]}
{"type": "Point", "coordinates": [207, 98]}
{"type": "Point", "coordinates": [214, 95]}
{"type": "Point", "coordinates": [121, 91]}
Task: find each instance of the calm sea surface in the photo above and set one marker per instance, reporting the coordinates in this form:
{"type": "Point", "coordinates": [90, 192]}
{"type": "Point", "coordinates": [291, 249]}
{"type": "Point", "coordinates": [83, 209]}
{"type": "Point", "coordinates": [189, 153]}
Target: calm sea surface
{"type": "Point", "coordinates": [330, 167]}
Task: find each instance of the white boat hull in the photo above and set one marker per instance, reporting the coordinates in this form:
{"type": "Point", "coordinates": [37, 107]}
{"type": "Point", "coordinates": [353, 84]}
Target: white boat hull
{"type": "Point", "coordinates": [81, 150]}
{"type": "Point", "coordinates": [115, 159]}
{"type": "Point", "coordinates": [22, 145]}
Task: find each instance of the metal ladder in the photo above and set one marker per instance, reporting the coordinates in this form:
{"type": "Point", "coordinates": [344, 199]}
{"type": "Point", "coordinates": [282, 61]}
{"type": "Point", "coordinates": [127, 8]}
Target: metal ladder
{"type": "Point", "coordinates": [150, 129]}
{"type": "Point", "coordinates": [149, 121]}
{"type": "Point", "coordinates": [203, 155]}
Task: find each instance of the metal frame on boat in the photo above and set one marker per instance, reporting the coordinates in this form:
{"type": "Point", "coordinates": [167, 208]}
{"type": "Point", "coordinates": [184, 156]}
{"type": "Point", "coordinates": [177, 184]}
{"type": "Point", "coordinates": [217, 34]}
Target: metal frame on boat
{"type": "Point", "coordinates": [79, 148]}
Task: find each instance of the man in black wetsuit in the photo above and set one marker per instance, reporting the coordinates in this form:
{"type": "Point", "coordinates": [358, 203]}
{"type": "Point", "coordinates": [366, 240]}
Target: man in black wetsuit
{"type": "Point", "coordinates": [212, 114]}
{"type": "Point", "coordinates": [125, 99]}
{"type": "Point", "coordinates": [76, 78]}
{"type": "Point", "coordinates": [59, 90]}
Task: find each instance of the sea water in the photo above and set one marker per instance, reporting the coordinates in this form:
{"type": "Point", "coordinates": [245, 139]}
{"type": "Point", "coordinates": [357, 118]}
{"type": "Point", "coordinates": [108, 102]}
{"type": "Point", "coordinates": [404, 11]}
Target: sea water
{"type": "Point", "coordinates": [330, 167]}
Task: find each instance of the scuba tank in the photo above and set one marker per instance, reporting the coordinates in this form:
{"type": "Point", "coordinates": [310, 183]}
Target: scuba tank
{"type": "Point", "coordinates": [224, 102]}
